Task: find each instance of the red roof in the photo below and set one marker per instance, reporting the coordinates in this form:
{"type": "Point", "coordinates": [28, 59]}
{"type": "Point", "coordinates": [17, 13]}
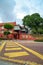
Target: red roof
{"type": "Point", "coordinates": [14, 23]}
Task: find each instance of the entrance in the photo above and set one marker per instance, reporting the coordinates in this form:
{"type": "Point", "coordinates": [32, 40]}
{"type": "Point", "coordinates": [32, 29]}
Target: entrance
{"type": "Point", "coordinates": [15, 36]}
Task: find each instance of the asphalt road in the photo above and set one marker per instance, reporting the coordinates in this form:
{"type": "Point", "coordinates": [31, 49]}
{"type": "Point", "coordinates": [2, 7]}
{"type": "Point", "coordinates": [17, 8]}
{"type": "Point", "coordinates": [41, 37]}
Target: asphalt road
{"type": "Point", "coordinates": [21, 52]}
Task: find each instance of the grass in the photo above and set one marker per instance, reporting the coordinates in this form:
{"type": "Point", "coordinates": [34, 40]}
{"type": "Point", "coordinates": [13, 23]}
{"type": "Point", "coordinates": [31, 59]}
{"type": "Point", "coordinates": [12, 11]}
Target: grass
{"type": "Point", "coordinates": [39, 40]}
{"type": "Point", "coordinates": [39, 37]}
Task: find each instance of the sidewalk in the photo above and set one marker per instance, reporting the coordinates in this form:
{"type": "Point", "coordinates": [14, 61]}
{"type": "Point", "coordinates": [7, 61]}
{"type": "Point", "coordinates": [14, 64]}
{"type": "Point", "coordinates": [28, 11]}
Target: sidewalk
{"type": "Point", "coordinates": [27, 41]}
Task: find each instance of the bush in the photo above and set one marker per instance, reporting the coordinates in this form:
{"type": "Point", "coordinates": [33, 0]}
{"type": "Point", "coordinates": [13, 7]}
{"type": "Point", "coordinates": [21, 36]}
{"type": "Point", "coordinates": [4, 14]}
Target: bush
{"type": "Point", "coordinates": [6, 32]}
{"type": "Point", "coordinates": [40, 30]}
{"type": "Point", "coordinates": [39, 40]}
{"type": "Point", "coordinates": [1, 38]}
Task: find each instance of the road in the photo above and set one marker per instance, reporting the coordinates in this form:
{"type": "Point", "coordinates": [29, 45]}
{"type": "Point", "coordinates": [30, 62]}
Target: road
{"type": "Point", "coordinates": [22, 52]}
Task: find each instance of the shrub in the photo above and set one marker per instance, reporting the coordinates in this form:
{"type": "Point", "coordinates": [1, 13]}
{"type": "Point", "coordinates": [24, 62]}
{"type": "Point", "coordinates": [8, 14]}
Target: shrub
{"type": "Point", "coordinates": [6, 32]}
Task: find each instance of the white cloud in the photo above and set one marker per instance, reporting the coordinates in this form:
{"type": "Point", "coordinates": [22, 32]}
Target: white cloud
{"type": "Point", "coordinates": [21, 15]}
{"type": "Point", "coordinates": [25, 7]}
{"type": "Point", "coordinates": [19, 9]}
{"type": "Point", "coordinates": [28, 6]}
{"type": "Point", "coordinates": [1, 20]}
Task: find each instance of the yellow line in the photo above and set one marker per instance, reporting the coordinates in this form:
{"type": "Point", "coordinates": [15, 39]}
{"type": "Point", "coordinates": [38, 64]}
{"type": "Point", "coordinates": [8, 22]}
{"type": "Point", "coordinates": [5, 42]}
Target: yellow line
{"type": "Point", "coordinates": [19, 61]}
{"type": "Point", "coordinates": [12, 46]}
{"type": "Point", "coordinates": [9, 44]}
{"type": "Point", "coordinates": [13, 49]}
{"type": "Point", "coordinates": [2, 46]}
{"type": "Point", "coordinates": [32, 51]}
{"type": "Point", "coordinates": [15, 54]}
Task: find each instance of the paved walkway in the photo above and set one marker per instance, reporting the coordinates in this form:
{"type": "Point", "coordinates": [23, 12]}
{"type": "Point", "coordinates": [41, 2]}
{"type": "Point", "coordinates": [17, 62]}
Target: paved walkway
{"type": "Point", "coordinates": [17, 53]}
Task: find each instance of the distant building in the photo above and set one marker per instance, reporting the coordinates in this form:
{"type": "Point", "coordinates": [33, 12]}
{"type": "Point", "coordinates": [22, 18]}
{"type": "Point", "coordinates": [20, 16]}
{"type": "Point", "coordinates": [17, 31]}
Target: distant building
{"type": "Point", "coordinates": [18, 32]}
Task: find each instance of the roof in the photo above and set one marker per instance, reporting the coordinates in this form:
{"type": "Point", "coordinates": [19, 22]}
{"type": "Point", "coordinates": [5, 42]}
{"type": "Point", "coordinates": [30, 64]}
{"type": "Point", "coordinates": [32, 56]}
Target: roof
{"type": "Point", "coordinates": [13, 23]}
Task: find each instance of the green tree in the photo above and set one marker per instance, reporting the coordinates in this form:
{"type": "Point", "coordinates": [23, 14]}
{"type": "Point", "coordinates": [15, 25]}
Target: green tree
{"type": "Point", "coordinates": [26, 19]}
{"type": "Point", "coordinates": [8, 26]}
{"type": "Point", "coordinates": [34, 22]}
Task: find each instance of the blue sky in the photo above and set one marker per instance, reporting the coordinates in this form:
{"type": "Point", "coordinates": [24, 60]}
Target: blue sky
{"type": "Point", "coordinates": [15, 10]}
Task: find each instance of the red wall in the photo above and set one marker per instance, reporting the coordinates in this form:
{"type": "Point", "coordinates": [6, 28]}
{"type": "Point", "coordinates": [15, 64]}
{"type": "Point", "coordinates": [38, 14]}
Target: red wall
{"type": "Point", "coordinates": [26, 37]}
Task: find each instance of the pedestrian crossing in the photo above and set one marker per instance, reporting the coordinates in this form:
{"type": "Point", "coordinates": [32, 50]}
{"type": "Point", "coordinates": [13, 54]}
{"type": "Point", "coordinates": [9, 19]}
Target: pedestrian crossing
{"type": "Point", "coordinates": [15, 52]}
{"type": "Point", "coordinates": [12, 47]}
{"type": "Point", "coordinates": [1, 46]}
{"type": "Point", "coordinates": [8, 49]}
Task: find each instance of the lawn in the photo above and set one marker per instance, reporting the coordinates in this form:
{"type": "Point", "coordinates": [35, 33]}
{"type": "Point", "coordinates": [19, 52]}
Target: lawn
{"type": "Point", "coordinates": [39, 37]}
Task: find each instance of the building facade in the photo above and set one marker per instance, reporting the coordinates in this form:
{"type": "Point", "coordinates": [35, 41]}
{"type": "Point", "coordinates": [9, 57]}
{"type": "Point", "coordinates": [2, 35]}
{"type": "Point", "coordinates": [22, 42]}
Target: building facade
{"type": "Point", "coordinates": [18, 32]}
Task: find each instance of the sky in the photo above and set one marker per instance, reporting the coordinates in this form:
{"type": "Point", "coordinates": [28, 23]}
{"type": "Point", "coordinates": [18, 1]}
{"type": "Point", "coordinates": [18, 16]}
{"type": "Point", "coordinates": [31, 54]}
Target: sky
{"type": "Point", "coordinates": [15, 10]}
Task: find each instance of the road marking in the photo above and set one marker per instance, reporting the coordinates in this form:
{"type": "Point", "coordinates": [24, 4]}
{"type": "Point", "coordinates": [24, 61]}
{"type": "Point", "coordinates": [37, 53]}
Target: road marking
{"type": "Point", "coordinates": [8, 49]}
{"type": "Point", "coordinates": [1, 47]}
{"type": "Point", "coordinates": [20, 61]}
{"type": "Point", "coordinates": [12, 46]}
{"type": "Point", "coordinates": [15, 54]}
{"type": "Point", "coordinates": [32, 51]}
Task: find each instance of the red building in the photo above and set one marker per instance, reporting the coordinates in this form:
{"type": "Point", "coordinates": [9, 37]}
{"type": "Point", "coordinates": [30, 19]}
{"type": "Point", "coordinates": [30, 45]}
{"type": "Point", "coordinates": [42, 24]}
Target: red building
{"type": "Point", "coordinates": [18, 32]}
{"type": "Point", "coordinates": [2, 29]}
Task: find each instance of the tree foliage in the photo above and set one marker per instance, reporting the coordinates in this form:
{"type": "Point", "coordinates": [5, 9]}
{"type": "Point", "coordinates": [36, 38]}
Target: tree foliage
{"type": "Point", "coordinates": [8, 26]}
{"type": "Point", "coordinates": [35, 22]}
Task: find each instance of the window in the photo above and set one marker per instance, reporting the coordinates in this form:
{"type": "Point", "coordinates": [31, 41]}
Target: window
{"type": "Point", "coordinates": [16, 28]}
